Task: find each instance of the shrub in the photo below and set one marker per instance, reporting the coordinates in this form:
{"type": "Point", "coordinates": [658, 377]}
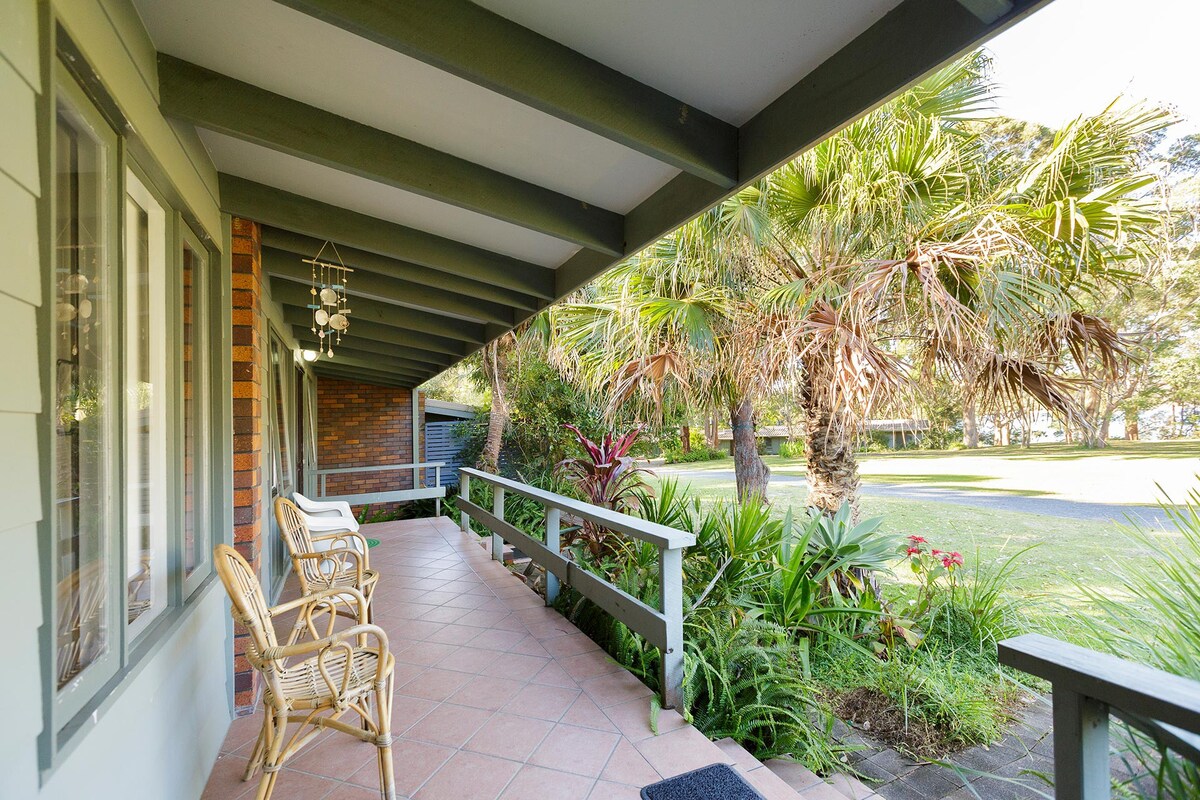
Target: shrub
{"type": "Point", "coordinates": [674, 455]}
{"type": "Point", "coordinates": [792, 449]}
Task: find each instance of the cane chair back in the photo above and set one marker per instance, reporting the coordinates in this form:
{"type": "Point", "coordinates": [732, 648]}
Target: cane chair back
{"type": "Point", "coordinates": [311, 684]}
{"type": "Point", "coordinates": [328, 561]}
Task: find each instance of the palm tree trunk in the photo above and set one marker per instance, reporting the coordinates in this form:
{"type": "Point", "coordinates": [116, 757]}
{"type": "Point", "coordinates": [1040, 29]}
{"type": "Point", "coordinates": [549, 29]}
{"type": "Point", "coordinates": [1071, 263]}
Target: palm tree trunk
{"type": "Point", "coordinates": [750, 471]}
{"type": "Point", "coordinates": [832, 468]}
{"type": "Point", "coordinates": [685, 438]}
{"type": "Point", "coordinates": [495, 357]}
{"type": "Point", "coordinates": [1131, 426]}
{"type": "Point", "coordinates": [970, 426]}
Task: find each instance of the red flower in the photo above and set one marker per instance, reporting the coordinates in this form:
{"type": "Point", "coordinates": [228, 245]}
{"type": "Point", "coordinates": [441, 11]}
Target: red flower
{"type": "Point", "coordinates": [951, 560]}
{"type": "Point", "coordinates": [912, 551]}
{"type": "Point", "coordinates": [937, 552]}
{"type": "Point", "coordinates": [917, 539]}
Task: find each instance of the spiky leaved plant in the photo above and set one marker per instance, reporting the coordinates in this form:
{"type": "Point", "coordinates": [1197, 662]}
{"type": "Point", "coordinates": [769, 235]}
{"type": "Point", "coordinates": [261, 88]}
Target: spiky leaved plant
{"type": "Point", "coordinates": [605, 476]}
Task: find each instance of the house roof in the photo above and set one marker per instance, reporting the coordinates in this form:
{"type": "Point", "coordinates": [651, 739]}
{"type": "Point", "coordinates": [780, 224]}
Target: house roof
{"type": "Point", "coordinates": [797, 431]}
{"type": "Point", "coordinates": [474, 162]}
{"type": "Point", "coordinates": [447, 409]}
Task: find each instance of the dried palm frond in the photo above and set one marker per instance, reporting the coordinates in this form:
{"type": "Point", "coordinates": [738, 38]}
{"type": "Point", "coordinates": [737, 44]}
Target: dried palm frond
{"type": "Point", "coordinates": [862, 376]}
{"type": "Point", "coordinates": [1002, 382]}
{"type": "Point", "coordinates": [1086, 336]}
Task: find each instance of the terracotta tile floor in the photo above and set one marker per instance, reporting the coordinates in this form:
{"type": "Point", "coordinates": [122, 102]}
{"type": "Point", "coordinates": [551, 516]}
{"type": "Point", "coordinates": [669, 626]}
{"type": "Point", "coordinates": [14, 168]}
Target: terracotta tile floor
{"type": "Point", "coordinates": [496, 696]}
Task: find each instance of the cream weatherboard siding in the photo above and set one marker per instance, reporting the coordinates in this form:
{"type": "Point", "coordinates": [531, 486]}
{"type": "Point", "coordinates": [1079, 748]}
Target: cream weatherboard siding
{"type": "Point", "coordinates": [20, 394]}
{"type": "Point", "coordinates": [157, 732]}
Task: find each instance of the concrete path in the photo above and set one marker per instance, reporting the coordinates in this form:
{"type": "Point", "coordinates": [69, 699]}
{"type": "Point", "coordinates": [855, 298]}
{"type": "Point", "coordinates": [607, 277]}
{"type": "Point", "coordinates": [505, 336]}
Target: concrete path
{"type": "Point", "coordinates": [1149, 516]}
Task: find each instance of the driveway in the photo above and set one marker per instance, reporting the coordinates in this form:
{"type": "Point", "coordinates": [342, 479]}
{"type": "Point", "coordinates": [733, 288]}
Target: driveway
{"type": "Point", "coordinates": [1150, 516]}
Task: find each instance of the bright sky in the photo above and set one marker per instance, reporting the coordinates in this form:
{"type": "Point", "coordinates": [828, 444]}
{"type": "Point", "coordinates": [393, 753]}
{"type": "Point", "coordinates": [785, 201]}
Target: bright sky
{"type": "Point", "coordinates": [1074, 56]}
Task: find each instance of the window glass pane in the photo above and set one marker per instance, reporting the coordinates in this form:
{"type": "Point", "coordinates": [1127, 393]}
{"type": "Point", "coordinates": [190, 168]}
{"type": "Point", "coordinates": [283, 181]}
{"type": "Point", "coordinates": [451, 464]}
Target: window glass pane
{"type": "Point", "coordinates": [195, 408]}
{"type": "Point", "coordinates": [83, 364]}
{"type": "Point", "coordinates": [145, 405]}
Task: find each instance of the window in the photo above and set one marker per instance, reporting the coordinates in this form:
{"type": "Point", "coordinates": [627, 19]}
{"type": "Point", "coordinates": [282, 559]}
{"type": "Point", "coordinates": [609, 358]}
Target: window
{"type": "Point", "coordinates": [196, 427]}
{"type": "Point", "coordinates": [146, 397]}
{"type": "Point", "coordinates": [84, 391]}
{"type": "Point", "coordinates": [128, 371]}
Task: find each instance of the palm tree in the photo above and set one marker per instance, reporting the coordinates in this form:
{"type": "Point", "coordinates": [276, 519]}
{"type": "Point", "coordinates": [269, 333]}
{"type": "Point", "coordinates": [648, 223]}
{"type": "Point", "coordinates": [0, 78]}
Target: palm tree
{"type": "Point", "coordinates": [683, 323]}
{"type": "Point", "coordinates": [912, 248]}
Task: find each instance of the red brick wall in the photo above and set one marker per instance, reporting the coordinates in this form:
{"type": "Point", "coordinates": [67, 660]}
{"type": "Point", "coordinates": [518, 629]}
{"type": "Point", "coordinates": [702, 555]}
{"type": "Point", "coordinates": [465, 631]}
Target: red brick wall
{"type": "Point", "coordinates": [249, 364]}
{"type": "Point", "coordinates": [361, 425]}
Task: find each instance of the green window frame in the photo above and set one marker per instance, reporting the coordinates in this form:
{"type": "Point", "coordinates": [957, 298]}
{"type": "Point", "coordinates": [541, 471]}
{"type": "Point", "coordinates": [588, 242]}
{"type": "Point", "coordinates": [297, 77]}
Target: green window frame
{"type": "Point", "coordinates": [187, 364]}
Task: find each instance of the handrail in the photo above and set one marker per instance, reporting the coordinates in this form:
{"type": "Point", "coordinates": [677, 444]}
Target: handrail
{"type": "Point", "coordinates": [437, 491]}
{"type": "Point", "coordinates": [659, 535]}
{"type": "Point", "coordinates": [662, 626]}
{"type": "Point", "coordinates": [381, 468]}
{"type": "Point", "coordinates": [1086, 687]}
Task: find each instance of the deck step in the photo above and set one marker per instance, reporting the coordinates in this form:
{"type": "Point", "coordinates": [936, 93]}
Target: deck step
{"type": "Point", "coordinates": [811, 786]}
{"type": "Point", "coordinates": [768, 784]}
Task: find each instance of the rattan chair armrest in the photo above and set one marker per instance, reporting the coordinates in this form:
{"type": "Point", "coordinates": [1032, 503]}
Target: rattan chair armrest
{"type": "Point", "coordinates": [335, 553]}
{"type": "Point", "coordinates": [337, 638]}
{"type": "Point", "coordinates": [362, 540]}
{"type": "Point", "coordinates": [322, 595]}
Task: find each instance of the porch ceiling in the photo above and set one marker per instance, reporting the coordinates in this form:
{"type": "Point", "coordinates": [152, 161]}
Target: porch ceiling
{"type": "Point", "coordinates": [474, 162]}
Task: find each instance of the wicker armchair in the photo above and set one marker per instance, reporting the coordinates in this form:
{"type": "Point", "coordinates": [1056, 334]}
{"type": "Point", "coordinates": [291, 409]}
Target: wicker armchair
{"type": "Point", "coordinates": [315, 682]}
{"type": "Point", "coordinates": [328, 561]}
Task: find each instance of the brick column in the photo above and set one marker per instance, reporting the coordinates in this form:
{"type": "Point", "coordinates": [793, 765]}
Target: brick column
{"type": "Point", "coordinates": [249, 363]}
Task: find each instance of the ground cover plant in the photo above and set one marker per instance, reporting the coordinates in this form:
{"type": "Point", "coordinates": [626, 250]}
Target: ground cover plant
{"type": "Point", "coordinates": [796, 620]}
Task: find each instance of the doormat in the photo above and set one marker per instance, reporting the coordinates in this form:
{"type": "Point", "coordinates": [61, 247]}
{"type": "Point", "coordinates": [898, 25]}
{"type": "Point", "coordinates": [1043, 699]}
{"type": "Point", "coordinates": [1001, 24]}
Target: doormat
{"type": "Point", "coordinates": [372, 543]}
{"type": "Point", "coordinates": [714, 782]}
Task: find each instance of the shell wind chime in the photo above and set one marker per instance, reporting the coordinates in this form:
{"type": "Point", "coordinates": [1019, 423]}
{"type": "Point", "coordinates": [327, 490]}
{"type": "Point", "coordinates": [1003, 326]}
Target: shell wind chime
{"type": "Point", "coordinates": [331, 311]}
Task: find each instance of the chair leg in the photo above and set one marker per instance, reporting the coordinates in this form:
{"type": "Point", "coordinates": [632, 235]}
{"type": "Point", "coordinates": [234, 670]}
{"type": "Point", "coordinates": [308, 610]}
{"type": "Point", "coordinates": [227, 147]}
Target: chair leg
{"type": "Point", "coordinates": [271, 762]}
{"type": "Point", "coordinates": [383, 708]}
{"type": "Point", "coordinates": [260, 748]}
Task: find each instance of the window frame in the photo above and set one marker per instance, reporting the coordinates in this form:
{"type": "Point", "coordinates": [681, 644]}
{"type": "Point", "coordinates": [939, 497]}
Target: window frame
{"type": "Point", "coordinates": [205, 398]}
{"type": "Point", "coordinates": [164, 323]}
{"type": "Point", "coordinates": [69, 713]}
{"type": "Point", "coordinates": [77, 694]}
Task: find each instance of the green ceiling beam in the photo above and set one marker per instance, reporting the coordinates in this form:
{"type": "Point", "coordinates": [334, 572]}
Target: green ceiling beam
{"type": "Point", "coordinates": [294, 293]}
{"type": "Point", "coordinates": [371, 284]}
{"type": "Point", "coordinates": [425, 359]}
{"type": "Point", "coordinates": [864, 75]}
{"type": "Point", "coordinates": [306, 247]}
{"type": "Point", "coordinates": [433, 346]}
{"type": "Point", "coordinates": [347, 354]}
{"type": "Point", "coordinates": [483, 47]}
{"type": "Point", "coordinates": [858, 78]}
{"type": "Point", "coordinates": [362, 376]}
{"type": "Point", "coordinates": [280, 209]}
{"type": "Point", "coordinates": [360, 347]}
{"type": "Point", "coordinates": [369, 366]}
{"type": "Point", "coordinates": [219, 103]}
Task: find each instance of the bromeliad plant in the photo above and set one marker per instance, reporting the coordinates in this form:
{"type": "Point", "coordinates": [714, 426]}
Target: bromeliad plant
{"type": "Point", "coordinates": [605, 476]}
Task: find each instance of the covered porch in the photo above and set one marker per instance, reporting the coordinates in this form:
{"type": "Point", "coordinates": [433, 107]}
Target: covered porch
{"type": "Point", "coordinates": [497, 696]}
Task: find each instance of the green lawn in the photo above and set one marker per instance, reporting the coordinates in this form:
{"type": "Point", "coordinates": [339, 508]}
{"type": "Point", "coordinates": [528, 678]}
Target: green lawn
{"type": "Point", "coordinates": [1068, 552]}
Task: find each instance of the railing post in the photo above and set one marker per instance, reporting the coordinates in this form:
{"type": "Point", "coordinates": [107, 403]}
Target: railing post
{"type": "Point", "coordinates": [437, 481]}
{"type": "Point", "coordinates": [1081, 770]}
{"type": "Point", "coordinates": [498, 511]}
{"type": "Point", "coordinates": [464, 491]}
{"type": "Point", "coordinates": [670, 581]}
{"type": "Point", "coordinates": [554, 542]}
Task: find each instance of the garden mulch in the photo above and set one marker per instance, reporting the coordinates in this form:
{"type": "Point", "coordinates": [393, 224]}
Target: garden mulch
{"type": "Point", "coordinates": [1018, 767]}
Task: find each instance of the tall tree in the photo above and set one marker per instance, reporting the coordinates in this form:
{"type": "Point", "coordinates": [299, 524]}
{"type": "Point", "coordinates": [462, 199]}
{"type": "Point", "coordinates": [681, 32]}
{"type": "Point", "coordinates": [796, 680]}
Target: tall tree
{"type": "Point", "coordinates": [684, 320]}
{"type": "Point", "coordinates": [907, 232]}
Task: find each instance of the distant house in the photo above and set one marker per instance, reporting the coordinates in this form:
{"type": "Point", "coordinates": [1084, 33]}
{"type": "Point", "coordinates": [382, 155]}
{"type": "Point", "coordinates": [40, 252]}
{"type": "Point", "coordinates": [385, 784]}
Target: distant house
{"type": "Point", "coordinates": [770, 437]}
{"type": "Point", "coordinates": [893, 433]}
{"type": "Point", "coordinates": [441, 443]}
{"type": "Point", "coordinates": [897, 433]}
